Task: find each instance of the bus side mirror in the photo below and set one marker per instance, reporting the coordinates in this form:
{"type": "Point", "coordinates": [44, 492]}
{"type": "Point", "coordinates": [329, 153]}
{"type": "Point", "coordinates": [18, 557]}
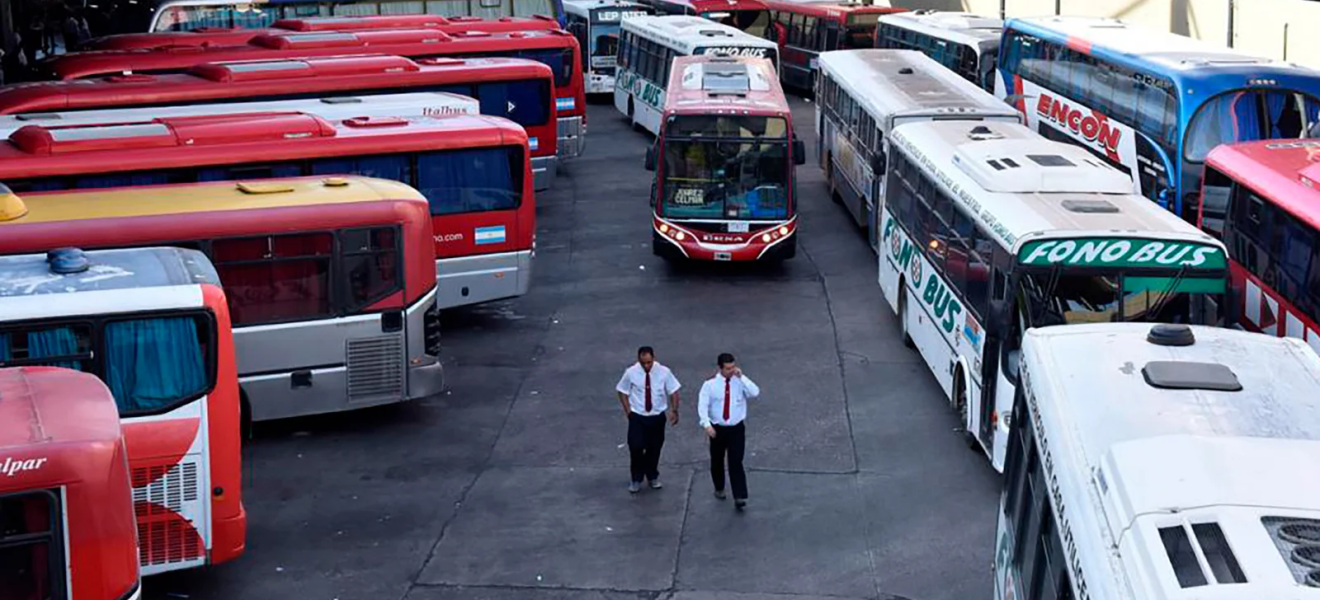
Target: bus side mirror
{"type": "Point", "coordinates": [650, 158]}
{"type": "Point", "coordinates": [799, 152]}
{"type": "Point", "coordinates": [878, 163]}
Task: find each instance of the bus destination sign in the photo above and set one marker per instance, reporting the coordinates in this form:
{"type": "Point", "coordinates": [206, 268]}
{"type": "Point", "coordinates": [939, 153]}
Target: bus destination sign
{"type": "Point", "coordinates": [1118, 252]}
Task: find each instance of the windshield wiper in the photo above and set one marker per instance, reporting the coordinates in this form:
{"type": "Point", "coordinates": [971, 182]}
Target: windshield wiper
{"type": "Point", "coordinates": [1046, 295]}
{"type": "Point", "coordinates": [1168, 293]}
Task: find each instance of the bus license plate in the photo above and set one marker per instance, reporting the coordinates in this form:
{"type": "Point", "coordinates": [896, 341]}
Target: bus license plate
{"type": "Point", "coordinates": [723, 256]}
{"type": "Point", "coordinates": [739, 226]}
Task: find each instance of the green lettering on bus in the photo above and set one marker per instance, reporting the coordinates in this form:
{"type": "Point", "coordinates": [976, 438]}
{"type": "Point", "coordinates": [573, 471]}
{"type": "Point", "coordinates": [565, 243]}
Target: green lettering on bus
{"type": "Point", "coordinates": [1121, 252]}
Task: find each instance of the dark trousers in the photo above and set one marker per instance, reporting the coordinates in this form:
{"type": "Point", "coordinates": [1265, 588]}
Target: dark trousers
{"type": "Point", "coordinates": [729, 441]}
{"type": "Point", "coordinates": [646, 436]}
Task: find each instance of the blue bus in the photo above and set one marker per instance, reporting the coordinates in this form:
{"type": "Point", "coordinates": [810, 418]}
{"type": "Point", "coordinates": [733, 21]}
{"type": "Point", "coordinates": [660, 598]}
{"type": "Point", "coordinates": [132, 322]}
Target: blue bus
{"type": "Point", "coordinates": [132, 16]}
{"type": "Point", "coordinates": [1152, 104]}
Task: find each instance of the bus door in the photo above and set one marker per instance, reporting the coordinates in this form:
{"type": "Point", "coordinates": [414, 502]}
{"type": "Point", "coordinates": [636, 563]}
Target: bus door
{"type": "Point", "coordinates": [1002, 351]}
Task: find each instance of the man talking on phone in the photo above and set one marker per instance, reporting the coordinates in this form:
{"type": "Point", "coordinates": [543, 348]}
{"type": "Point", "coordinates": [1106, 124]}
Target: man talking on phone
{"type": "Point", "coordinates": [721, 410]}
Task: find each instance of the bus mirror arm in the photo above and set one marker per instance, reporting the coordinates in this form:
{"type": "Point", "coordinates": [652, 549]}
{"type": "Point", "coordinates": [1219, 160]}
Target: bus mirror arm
{"type": "Point", "coordinates": [799, 152]}
{"type": "Point", "coordinates": [650, 158]}
{"type": "Point", "coordinates": [1013, 99]}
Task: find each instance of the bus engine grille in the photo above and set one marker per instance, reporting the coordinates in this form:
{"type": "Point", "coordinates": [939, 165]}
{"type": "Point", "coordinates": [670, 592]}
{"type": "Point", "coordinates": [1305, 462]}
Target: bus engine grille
{"type": "Point", "coordinates": [164, 497]}
{"type": "Point", "coordinates": [375, 368]}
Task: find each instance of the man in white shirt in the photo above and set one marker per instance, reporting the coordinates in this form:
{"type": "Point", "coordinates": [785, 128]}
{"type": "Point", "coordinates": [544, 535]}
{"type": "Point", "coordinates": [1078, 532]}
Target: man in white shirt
{"type": "Point", "coordinates": [721, 409]}
{"type": "Point", "coordinates": [648, 391]}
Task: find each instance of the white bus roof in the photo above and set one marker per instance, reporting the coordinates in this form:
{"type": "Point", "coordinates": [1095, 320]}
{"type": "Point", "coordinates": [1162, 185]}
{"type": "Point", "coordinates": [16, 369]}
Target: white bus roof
{"type": "Point", "coordinates": [1023, 187]}
{"type": "Point", "coordinates": [1141, 458]}
{"type": "Point", "coordinates": [898, 83]}
{"type": "Point", "coordinates": [583, 7]}
{"type": "Point", "coordinates": [115, 281]}
{"type": "Point", "coordinates": [685, 33]}
{"type": "Point", "coordinates": [333, 108]}
{"type": "Point", "coordinates": [961, 27]}
{"type": "Point", "coordinates": [1170, 49]}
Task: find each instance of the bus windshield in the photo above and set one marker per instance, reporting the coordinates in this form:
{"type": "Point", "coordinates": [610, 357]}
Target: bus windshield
{"type": "Point", "coordinates": [1068, 298]}
{"type": "Point", "coordinates": [724, 167]}
{"type": "Point", "coordinates": [604, 45]}
{"type": "Point", "coordinates": [1249, 115]}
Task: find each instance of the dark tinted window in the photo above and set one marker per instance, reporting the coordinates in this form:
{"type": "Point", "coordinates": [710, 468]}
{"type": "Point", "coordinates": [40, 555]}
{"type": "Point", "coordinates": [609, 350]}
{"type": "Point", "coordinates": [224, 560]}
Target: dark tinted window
{"type": "Point", "coordinates": [31, 557]}
{"type": "Point", "coordinates": [371, 264]}
{"type": "Point", "coordinates": [471, 180]}
{"type": "Point", "coordinates": [274, 279]}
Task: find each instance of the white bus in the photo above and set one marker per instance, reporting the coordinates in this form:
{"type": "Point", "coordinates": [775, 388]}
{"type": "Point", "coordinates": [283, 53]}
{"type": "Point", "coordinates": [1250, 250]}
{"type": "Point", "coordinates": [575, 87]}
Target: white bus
{"type": "Point", "coordinates": [338, 108]}
{"type": "Point", "coordinates": [647, 50]}
{"type": "Point", "coordinates": [990, 229]}
{"type": "Point", "coordinates": [965, 43]}
{"type": "Point", "coordinates": [1161, 463]}
{"type": "Point", "coordinates": [861, 95]}
{"type": "Point", "coordinates": [595, 24]}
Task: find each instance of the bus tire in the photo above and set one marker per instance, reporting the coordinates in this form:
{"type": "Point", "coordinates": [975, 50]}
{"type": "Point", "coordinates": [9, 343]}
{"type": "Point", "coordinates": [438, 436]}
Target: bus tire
{"type": "Point", "coordinates": [829, 178]}
{"type": "Point", "coordinates": [902, 314]}
{"type": "Point", "coordinates": [961, 408]}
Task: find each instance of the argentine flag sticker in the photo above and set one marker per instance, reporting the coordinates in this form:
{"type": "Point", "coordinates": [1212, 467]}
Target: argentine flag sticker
{"type": "Point", "coordinates": [564, 103]}
{"type": "Point", "coordinates": [534, 143]}
{"type": "Point", "coordinates": [489, 235]}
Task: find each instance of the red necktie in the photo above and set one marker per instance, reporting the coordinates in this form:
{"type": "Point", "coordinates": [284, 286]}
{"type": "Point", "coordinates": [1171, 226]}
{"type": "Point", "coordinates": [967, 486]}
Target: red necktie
{"type": "Point", "coordinates": [648, 391]}
{"type": "Point", "coordinates": [727, 396]}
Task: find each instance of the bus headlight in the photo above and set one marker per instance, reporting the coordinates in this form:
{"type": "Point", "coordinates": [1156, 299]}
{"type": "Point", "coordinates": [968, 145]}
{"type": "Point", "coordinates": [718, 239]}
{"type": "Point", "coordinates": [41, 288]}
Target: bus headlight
{"type": "Point", "coordinates": [664, 228]}
{"type": "Point", "coordinates": [679, 235]}
{"type": "Point", "coordinates": [783, 230]}
{"type": "Point", "coordinates": [765, 238]}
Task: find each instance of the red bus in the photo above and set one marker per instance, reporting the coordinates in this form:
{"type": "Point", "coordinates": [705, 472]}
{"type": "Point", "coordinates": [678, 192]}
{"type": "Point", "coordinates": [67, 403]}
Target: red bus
{"type": "Point", "coordinates": [750, 16]}
{"type": "Point", "coordinates": [805, 29]}
{"type": "Point", "coordinates": [473, 169]}
{"type": "Point", "coordinates": [237, 37]}
{"type": "Point", "coordinates": [518, 89]}
{"type": "Point", "coordinates": [557, 49]}
{"type": "Point", "coordinates": [724, 163]}
{"type": "Point", "coordinates": [1260, 198]}
{"type": "Point", "coordinates": [152, 323]}
{"type": "Point", "coordinates": [66, 511]}
{"type": "Point", "coordinates": [330, 281]}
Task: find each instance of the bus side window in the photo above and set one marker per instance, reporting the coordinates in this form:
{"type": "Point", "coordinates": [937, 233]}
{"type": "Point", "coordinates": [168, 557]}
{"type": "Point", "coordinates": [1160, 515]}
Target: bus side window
{"type": "Point", "coordinates": [809, 34]}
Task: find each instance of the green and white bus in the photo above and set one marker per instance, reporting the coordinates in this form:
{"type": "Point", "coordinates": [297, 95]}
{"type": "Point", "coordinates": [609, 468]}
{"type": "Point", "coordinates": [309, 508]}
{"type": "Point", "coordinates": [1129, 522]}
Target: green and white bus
{"type": "Point", "coordinates": [989, 230]}
{"type": "Point", "coordinates": [647, 49]}
{"type": "Point", "coordinates": [1161, 462]}
{"type": "Point", "coordinates": [861, 96]}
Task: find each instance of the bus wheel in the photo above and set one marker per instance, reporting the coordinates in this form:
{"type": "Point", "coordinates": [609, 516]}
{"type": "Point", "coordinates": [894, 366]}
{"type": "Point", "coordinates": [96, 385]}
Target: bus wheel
{"type": "Point", "coordinates": [829, 178]}
{"type": "Point", "coordinates": [902, 314]}
{"type": "Point", "coordinates": [960, 407]}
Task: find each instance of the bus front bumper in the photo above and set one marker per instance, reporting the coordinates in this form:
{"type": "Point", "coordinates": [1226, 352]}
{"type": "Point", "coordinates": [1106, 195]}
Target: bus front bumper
{"type": "Point", "coordinates": [484, 278]}
{"type": "Point", "coordinates": [544, 170]}
{"type": "Point", "coordinates": [777, 242]}
{"type": "Point", "coordinates": [572, 137]}
{"type": "Point", "coordinates": [600, 84]}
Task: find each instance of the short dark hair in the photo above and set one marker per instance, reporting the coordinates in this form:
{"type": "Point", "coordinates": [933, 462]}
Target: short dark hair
{"type": "Point", "coordinates": [724, 359]}
{"type": "Point", "coordinates": [646, 350]}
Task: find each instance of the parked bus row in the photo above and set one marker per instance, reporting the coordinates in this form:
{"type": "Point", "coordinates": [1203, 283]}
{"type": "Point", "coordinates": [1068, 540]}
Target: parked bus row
{"type": "Point", "coordinates": [190, 15]}
{"type": "Point", "coordinates": [1002, 248]}
{"type": "Point", "coordinates": [1188, 121]}
{"type": "Point", "coordinates": [286, 189]}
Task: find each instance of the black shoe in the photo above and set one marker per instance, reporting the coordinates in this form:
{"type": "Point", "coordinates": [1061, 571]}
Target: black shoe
{"type": "Point", "coordinates": [720, 494]}
{"type": "Point", "coordinates": [740, 504]}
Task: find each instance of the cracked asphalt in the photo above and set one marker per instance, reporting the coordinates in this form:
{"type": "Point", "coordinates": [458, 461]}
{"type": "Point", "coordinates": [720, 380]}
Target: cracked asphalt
{"type": "Point", "coordinates": [512, 485]}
